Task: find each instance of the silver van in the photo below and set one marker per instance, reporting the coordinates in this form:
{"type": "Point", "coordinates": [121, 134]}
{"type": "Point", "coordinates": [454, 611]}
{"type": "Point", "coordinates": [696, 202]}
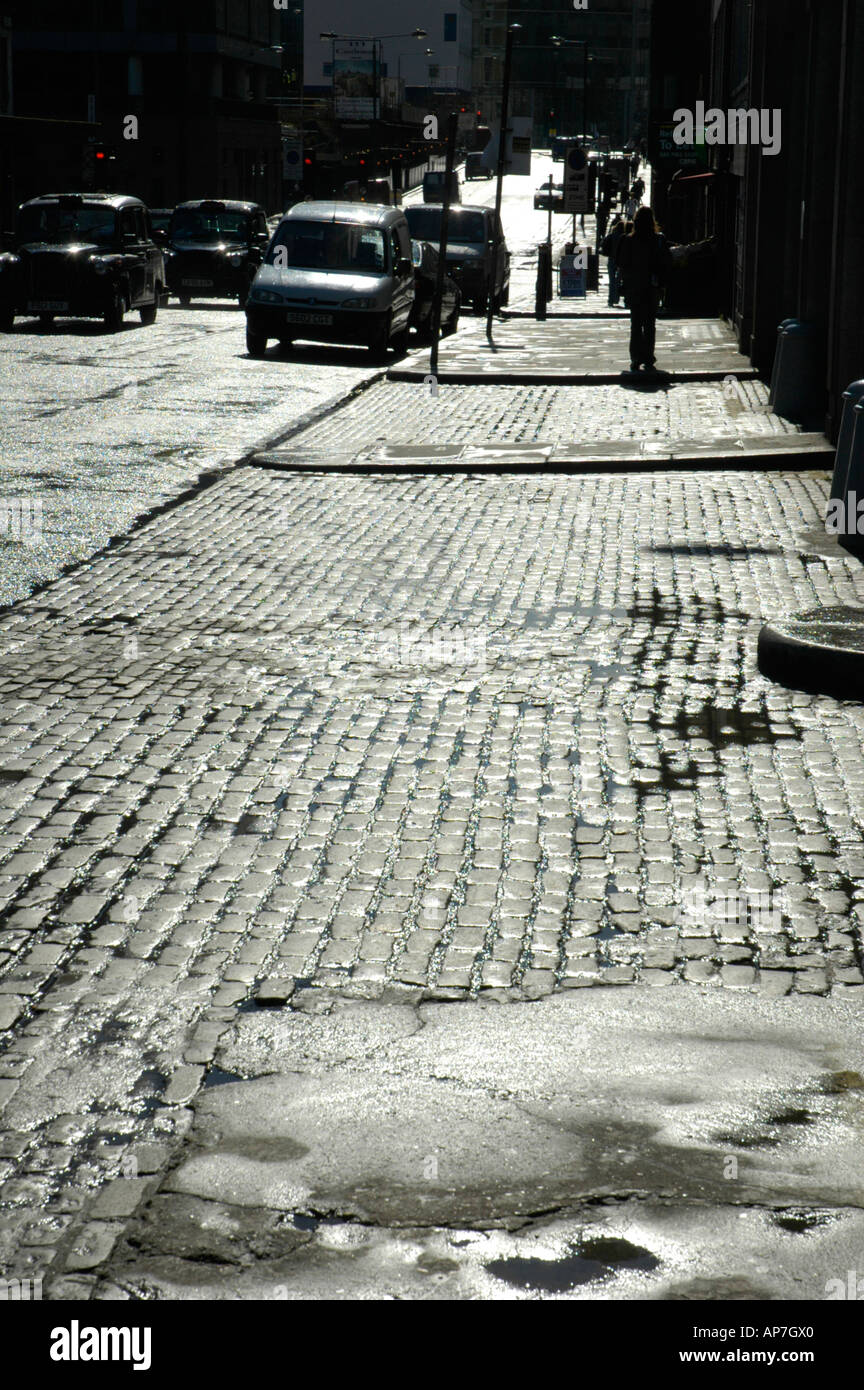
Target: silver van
{"type": "Point", "coordinates": [336, 273]}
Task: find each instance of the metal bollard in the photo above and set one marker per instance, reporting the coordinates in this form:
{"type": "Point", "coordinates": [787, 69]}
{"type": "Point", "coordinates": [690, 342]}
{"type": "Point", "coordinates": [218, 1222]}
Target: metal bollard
{"type": "Point", "coordinates": [842, 459]}
{"type": "Point", "coordinates": [541, 292]}
{"type": "Point", "coordinates": [781, 329]}
{"type": "Point", "coordinates": [792, 390]}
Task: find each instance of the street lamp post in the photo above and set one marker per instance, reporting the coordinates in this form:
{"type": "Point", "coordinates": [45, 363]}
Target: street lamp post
{"type": "Point", "coordinates": [512, 31]}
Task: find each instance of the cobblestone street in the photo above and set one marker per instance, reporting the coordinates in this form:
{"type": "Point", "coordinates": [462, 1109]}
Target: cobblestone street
{"type": "Point", "coordinates": [315, 739]}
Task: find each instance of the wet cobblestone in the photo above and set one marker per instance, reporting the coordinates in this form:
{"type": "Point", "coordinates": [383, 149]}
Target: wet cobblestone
{"type": "Point", "coordinates": [396, 412]}
{"type": "Point", "coordinates": [443, 735]}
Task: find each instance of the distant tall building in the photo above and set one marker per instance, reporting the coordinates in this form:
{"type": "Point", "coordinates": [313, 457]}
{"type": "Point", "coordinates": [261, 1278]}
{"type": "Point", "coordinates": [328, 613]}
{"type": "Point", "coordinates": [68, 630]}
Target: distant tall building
{"type": "Point", "coordinates": [489, 39]}
{"type": "Point", "coordinates": [603, 84]}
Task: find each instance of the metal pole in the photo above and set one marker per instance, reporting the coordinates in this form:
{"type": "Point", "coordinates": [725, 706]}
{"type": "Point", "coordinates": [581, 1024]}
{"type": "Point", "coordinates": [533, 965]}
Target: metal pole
{"type": "Point", "coordinates": [584, 91]}
{"type": "Point", "coordinates": [452, 125]}
{"type": "Point", "coordinates": [502, 164]}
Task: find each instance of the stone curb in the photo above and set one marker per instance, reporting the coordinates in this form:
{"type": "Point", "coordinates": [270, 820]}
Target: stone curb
{"type": "Point", "coordinates": [624, 456]}
{"type": "Point", "coordinates": [546, 378]}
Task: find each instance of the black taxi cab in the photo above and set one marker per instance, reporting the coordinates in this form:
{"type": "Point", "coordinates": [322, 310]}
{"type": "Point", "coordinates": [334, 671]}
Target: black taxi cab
{"type": "Point", "coordinates": [81, 255]}
{"type": "Point", "coordinates": [214, 249]}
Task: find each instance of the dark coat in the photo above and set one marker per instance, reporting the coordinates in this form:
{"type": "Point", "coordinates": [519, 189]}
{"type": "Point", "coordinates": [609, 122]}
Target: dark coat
{"type": "Point", "coordinates": [610, 243]}
{"type": "Point", "coordinates": [644, 263]}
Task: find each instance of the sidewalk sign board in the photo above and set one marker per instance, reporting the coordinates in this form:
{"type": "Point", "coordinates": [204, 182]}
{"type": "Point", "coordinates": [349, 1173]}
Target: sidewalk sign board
{"type": "Point", "coordinates": [572, 277]}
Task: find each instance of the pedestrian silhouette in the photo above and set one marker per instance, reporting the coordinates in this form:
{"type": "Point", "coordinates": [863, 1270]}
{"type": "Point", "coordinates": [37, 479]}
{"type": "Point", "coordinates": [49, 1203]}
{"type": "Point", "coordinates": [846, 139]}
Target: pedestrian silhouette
{"type": "Point", "coordinates": [643, 259]}
{"type": "Point", "coordinates": [610, 248]}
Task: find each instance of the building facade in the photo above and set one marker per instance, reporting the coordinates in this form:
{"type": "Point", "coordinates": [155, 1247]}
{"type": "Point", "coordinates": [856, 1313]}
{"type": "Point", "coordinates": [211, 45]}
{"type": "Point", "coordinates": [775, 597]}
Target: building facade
{"type": "Point", "coordinates": [185, 96]}
{"type": "Point", "coordinates": [787, 213]}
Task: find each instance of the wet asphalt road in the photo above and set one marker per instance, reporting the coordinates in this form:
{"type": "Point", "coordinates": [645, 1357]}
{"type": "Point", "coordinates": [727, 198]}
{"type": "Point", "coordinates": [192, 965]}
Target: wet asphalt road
{"type": "Point", "coordinates": [100, 429]}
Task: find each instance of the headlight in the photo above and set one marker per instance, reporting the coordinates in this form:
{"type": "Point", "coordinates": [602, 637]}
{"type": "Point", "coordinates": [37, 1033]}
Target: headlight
{"type": "Point", "coordinates": [266, 297]}
{"type": "Point", "coordinates": [237, 258]}
{"type": "Point", "coordinates": [364, 303]}
{"type": "Point", "coordinates": [100, 267]}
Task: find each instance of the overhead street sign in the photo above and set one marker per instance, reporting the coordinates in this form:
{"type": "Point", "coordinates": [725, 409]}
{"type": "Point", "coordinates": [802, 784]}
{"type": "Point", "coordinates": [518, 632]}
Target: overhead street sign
{"type": "Point", "coordinates": [578, 184]}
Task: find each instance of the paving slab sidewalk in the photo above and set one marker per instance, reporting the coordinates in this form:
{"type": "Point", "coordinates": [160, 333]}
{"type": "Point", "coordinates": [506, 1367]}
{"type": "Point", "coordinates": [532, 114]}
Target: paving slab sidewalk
{"type": "Point", "coordinates": [579, 351]}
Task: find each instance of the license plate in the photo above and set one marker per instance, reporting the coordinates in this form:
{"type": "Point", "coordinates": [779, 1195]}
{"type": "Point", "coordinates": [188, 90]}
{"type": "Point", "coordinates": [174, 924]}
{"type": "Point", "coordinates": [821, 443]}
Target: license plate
{"type": "Point", "coordinates": [309, 318]}
{"type": "Point", "coordinates": [47, 306]}
{"type": "Point", "coordinates": [197, 284]}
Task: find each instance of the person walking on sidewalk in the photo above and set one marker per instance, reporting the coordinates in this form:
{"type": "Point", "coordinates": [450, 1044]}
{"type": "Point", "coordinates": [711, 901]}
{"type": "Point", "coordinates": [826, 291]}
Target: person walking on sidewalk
{"type": "Point", "coordinates": [643, 260]}
{"type": "Point", "coordinates": [610, 249]}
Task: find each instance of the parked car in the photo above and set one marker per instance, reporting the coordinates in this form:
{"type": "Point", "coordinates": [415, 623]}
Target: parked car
{"type": "Point", "coordinates": [425, 259]}
{"type": "Point", "coordinates": [81, 255]}
{"type": "Point", "coordinates": [214, 249]}
{"type": "Point", "coordinates": [336, 273]}
{"type": "Point", "coordinates": [160, 221]}
{"type": "Point", "coordinates": [475, 239]}
{"type": "Point", "coordinates": [476, 167]}
{"type": "Point", "coordinates": [542, 199]}
{"type": "Point", "coordinates": [434, 184]}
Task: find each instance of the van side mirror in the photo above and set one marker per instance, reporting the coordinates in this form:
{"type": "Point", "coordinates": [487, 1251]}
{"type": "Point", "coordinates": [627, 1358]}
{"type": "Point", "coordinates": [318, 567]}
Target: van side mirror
{"type": "Point", "coordinates": [404, 266]}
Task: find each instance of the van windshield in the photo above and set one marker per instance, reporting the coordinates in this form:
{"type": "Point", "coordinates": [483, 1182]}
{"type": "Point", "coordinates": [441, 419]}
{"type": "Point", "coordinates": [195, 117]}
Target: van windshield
{"type": "Point", "coordinates": [345, 246]}
{"type": "Point", "coordinates": [464, 225]}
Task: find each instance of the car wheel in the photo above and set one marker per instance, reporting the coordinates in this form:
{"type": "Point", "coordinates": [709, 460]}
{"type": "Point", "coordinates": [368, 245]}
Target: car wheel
{"type": "Point", "coordinates": [256, 343]}
{"type": "Point", "coordinates": [46, 319]}
{"type": "Point", "coordinates": [505, 296]}
{"type": "Point", "coordinates": [7, 319]}
{"type": "Point", "coordinates": [453, 321]}
{"type": "Point", "coordinates": [399, 342]}
{"type": "Point", "coordinates": [114, 311]}
{"type": "Point", "coordinates": [286, 344]}
{"type": "Point", "coordinates": [148, 312]}
{"type": "Point", "coordinates": [480, 303]}
{"type": "Point", "coordinates": [185, 300]}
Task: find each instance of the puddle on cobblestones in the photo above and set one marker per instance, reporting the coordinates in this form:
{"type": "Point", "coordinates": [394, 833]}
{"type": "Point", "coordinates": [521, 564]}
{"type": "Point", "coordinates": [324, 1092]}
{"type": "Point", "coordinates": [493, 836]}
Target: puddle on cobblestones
{"type": "Point", "coordinates": [148, 1089]}
{"type": "Point", "coordinates": [800, 1221]}
{"type": "Point", "coordinates": [768, 1132]}
{"type": "Point", "coordinates": [215, 1076]}
{"type": "Point", "coordinates": [588, 1262]}
{"type": "Point", "coordinates": [303, 1222]}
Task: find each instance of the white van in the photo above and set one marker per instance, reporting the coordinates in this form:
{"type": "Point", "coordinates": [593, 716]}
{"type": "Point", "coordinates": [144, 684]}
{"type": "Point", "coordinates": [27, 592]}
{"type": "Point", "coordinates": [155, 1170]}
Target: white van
{"type": "Point", "coordinates": [335, 273]}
